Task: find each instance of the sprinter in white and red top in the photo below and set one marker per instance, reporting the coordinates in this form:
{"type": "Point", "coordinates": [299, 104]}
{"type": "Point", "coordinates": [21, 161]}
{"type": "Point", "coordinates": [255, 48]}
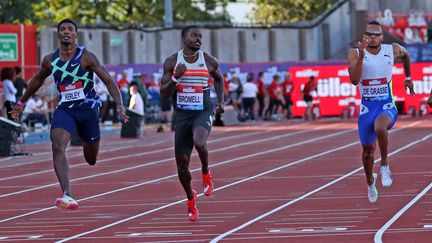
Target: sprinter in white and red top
{"type": "Point", "coordinates": [370, 67]}
{"type": "Point", "coordinates": [185, 77]}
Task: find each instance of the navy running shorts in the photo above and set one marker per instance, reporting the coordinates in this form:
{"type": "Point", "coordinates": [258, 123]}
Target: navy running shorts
{"type": "Point", "coordinates": [83, 121]}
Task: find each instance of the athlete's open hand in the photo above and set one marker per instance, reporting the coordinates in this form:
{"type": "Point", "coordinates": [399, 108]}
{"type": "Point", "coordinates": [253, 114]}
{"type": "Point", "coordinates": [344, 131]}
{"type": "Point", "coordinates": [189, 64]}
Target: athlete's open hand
{"type": "Point", "coordinates": [16, 112]}
{"type": "Point", "coordinates": [220, 108]}
{"type": "Point", "coordinates": [409, 85]}
{"type": "Point", "coordinates": [122, 112]}
{"type": "Point", "coordinates": [180, 70]}
{"type": "Point", "coordinates": [362, 45]}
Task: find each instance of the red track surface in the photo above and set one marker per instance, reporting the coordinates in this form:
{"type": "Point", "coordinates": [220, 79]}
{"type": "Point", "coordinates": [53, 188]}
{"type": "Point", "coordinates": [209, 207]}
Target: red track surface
{"type": "Point", "coordinates": [275, 182]}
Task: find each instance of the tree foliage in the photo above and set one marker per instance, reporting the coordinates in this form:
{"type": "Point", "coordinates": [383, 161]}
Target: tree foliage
{"type": "Point", "coordinates": [288, 11]}
{"type": "Point", "coordinates": [17, 11]}
{"type": "Point", "coordinates": [112, 12]}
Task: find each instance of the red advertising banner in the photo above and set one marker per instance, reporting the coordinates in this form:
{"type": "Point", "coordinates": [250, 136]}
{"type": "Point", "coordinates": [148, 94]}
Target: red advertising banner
{"type": "Point", "coordinates": [335, 92]}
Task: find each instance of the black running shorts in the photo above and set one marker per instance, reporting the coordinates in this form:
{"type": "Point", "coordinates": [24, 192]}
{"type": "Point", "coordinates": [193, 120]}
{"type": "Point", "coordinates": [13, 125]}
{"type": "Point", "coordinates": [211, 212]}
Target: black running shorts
{"type": "Point", "coordinates": [185, 123]}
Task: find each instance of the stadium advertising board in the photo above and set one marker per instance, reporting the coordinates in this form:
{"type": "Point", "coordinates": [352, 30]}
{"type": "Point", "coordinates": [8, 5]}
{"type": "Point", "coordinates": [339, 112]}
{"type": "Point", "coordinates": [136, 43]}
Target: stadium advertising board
{"type": "Point", "coordinates": [334, 89]}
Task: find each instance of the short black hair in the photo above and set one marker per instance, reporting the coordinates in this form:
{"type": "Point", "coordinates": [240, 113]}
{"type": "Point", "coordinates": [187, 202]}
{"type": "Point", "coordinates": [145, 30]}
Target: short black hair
{"type": "Point", "coordinates": [186, 29]}
{"type": "Point", "coordinates": [374, 22]}
{"type": "Point", "coordinates": [17, 70]}
{"type": "Point", "coordinates": [7, 73]}
{"type": "Point", "coordinates": [67, 21]}
{"type": "Point", "coordinates": [133, 83]}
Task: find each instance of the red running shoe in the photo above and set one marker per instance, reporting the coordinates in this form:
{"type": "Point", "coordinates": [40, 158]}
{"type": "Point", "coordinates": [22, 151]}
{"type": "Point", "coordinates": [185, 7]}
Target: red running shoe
{"type": "Point", "coordinates": [208, 185]}
{"type": "Point", "coordinates": [192, 209]}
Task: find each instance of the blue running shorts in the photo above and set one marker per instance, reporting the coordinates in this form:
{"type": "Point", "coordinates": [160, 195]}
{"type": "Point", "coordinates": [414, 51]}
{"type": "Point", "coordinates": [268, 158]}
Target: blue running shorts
{"type": "Point", "coordinates": [369, 111]}
{"type": "Point", "coordinates": [83, 121]}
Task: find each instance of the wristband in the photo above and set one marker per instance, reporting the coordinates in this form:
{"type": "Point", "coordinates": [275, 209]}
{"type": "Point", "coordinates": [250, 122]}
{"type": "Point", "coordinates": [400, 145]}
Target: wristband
{"type": "Point", "coordinates": [408, 78]}
{"type": "Point", "coordinates": [21, 103]}
{"type": "Point", "coordinates": [174, 79]}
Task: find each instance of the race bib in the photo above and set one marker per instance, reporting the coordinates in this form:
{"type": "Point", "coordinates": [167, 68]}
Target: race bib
{"type": "Point", "coordinates": [72, 92]}
{"type": "Point", "coordinates": [190, 97]}
{"type": "Point", "coordinates": [375, 88]}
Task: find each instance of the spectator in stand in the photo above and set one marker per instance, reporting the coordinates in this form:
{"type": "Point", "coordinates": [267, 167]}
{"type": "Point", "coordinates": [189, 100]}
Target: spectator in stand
{"type": "Point", "coordinates": [36, 110]}
{"type": "Point", "coordinates": [136, 102]}
{"type": "Point", "coordinates": [249, 95]}
{"type": "Point", "coordinates": [226, 86]}
{"type": "Point", "coordinates": [408, 36]}
{"type": "Point", "coordinates": [102, 92]}
{"type": "Point", "coordinates": [123, 85]}
{"type": "Point", "coordinates": [9, 91]}
{"type": "Point", "coordinates": [275, 94]}
{"type": "Point", "coordinates": [309, 87]}
{"type": "Point", "coordinates": [153, 90]}
{"type": "Point", "coordinates": [261, 93]}
{"type": "Point", "coordinates": [235, 90]}
{"type": "Point", "coordinates": [19, 83]}
{"type": "Point", "coordinates": [287, 89]}
{"type": "Point", "coordinates": [429, 32]}
{"type": "Point", "coordinates": [399, 28]}
{"type": "Point", "coordinates": [109, 104]}
{"type": "Point", "coordinates": [388, 20]}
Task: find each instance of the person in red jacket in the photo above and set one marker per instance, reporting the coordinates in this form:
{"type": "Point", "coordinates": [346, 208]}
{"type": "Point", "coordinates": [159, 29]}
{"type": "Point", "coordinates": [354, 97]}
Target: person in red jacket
{"type": "Point", "coordinates": [287, 89]}
{"type": "Point", "coordinates": [261, 93]}
{"type": "Point", "coordinates": [307, 95]}
{"type": "Point", "coordinates": [275, 94]}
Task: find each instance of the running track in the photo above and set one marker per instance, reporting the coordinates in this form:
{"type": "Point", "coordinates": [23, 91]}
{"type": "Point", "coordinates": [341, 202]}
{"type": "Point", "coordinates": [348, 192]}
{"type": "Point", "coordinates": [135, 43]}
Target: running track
{"type": "Point", "coordinates": [275, 182]}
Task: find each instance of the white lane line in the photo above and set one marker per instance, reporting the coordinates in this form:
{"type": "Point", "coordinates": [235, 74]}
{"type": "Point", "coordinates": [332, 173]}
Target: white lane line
{"type": "Point", "coordinates": [427, 226]}
{"type": "Point", "coordinates": [197, 169]}
{"type": "Point", "coordinates": [380, 232]}
{"type": "Point", "coordinates": [223, 187]}
{"type": "Point", "coordinates": [155, 162]}
{"type": "Point", "coordinates": [139, 154]}
{"type": "Point", "coordinates": [221, 236]}
{"type": "Point", "coordinates": [220, 188]}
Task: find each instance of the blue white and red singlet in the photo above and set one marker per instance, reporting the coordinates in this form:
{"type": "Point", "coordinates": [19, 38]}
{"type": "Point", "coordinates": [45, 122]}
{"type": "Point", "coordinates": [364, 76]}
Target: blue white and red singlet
{"type": "Point", "coordinates": [376, 92]}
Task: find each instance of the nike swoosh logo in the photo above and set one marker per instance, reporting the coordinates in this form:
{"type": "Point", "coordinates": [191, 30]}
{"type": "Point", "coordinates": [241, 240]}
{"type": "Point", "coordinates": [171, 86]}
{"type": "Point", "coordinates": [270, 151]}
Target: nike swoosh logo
{"type": "Point", "coordinates": [73, 65]}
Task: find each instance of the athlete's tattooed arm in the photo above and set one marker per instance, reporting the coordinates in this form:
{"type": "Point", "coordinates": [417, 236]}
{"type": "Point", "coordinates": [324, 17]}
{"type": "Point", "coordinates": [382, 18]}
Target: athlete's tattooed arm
{"type": "Point", "coordinates": [401, 53]}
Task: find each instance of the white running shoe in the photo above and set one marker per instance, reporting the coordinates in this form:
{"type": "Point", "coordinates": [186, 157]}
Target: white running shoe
{"type": "Point", "coordinates": [66, 203]}
{"type": "Point", "coordinates": [372, 190]}
{"type": "Point", "coordinates": [386, 176]}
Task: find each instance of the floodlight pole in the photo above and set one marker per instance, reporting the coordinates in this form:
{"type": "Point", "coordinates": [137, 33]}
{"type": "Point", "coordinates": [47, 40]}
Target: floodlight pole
{"type": "Point", "coordinates": [168, 13]}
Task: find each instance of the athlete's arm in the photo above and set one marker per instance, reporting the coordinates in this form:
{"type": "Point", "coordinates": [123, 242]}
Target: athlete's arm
{"type": "Point", "coordinates": [215, 72]}
{"type": "Point", "coordinates": [355, 66]}
{"type": "Point", "coordinates": [90, 62]}
{"type": "Point", "coordinates": [34, 84]}
{"type": "Point", "coordinates": [168, 85]}
{"type": "Point", "coordinates": [399, 52]}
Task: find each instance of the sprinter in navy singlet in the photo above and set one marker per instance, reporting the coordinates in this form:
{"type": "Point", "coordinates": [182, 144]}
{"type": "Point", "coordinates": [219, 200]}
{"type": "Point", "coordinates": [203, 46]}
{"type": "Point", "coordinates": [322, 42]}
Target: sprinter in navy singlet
{"type": "Point", "coordinates": [72, 67]}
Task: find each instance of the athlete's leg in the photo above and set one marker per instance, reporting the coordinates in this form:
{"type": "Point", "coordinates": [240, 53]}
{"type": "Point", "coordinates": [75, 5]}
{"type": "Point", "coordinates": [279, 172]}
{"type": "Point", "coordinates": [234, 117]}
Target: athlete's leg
{"type": "Point", "coordinates": [200, 135]}
{"type": "Point", "coordinates": [368, 140]}
{"type": "Point", "coordinates": [91, 151]}
{"type": "Point", "coordinates": [382, 123]}
{"type": "Point", "coordinates": [89, 131]}
{"type": "Point", "coordinates": [368, 161]}
{"type": "Point", "coordinates": [183, 146]}
{"type": "Point", "coordinates": [60, 138]}
{"type": "Point", "coordinates": [184, 174]}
